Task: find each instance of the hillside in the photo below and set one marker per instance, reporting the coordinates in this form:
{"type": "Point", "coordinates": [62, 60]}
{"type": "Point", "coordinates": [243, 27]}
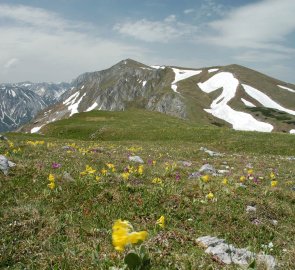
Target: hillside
{"type": "Point", "coordinates": [60, 201]}
{"type": "Point", "coordinates": [231, 96]}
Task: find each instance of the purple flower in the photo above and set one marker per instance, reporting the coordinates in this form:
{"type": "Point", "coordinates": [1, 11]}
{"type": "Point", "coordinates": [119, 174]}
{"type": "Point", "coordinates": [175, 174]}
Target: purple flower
{"type": "Point", "coordinates": [56, 165]}
{"type": "Point", "coordinates": [177, 176]}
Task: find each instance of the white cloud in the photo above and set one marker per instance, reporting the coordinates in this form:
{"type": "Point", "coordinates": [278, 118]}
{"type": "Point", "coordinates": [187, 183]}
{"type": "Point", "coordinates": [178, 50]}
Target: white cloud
{"type": "Point", "coordinates": [169, 29]}
{"type": "Point", "coordinates": [51, 48]}
{"type": "Point", "coordinates": [188, 11]}
{"type": "Point", "coordinates": [11, 63]}
{"type": "Point", "coordinates": [262, 25]}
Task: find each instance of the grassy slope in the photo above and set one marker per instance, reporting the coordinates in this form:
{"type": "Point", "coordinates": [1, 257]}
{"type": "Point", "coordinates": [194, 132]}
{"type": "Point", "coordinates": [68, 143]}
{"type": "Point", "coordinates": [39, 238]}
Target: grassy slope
{"type": "Point", "coordinates": [70, 227]}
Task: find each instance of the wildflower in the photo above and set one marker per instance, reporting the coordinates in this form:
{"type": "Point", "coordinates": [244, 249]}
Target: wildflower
{"type": "Point", "coordinates": [210, 196]}
{"type": "Point", "coordinates": [140, 170]}
{"type": "Point", "coordinates": [125, 175]}
{"type": "Point", "coordinates": [177, 176]}
{"type": "Point", "coordinates": [56, 165]}
{"type": "Point", "coordinates": [225, 181]}
{"type": "Point", "coordinates": [161, 221]}
{"type": "Point", "coordinates": [272, 175]}
{"type": "Point", "coordinates": [250, 172]}
{"type": "Point", "coordinates": [89, 170]}
{"type": "Point", "coordinates": [242, 179]}
{"type": "Point", "coordinates": [111, 167]}
{"type": "Point", "coordinates": [51, 185]}
{"type": "Point", "coordinates": [97, 178]}
{"type": "Point", "coordinates": [205, 178]}
{"type": "Point", "coordinates": [104, 172]}
{"type": "Point", "coordinates": [122, 235]}
{"type": "Point", "coordinates": [51, 178]}
{"type": "Point", "coordinates": [274, 183]}
{"type": "Point", "coordinates": [157, 180]}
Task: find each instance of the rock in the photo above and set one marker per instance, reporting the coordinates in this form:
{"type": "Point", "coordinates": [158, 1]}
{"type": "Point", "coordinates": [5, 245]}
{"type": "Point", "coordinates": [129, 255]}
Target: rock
{"type": "Point", "coordinates": [274, 222]}
{"type": "Point", "coordinates": [67, 177]}
{"type": "Point", "coordinates": [211, 153]}
{"type": "Point", "coordinates": [250, 209]}
{"type": "Point", "coordinates": [208, 169]}
{"type": "Point", "coordinates": [3, 138]}
{"type": "Point", "coordinates": [194, 175]}
{"type": "Point", "coordinates": [5, 164]}
{"type": "Point", "coordinates": [267, 260]}
{"type": "Point", "coordinates": [136, 159]}
{"type": "Point", "coordinates": [222, 171]}
{"type": "Point", "coordinates": [228, 254]}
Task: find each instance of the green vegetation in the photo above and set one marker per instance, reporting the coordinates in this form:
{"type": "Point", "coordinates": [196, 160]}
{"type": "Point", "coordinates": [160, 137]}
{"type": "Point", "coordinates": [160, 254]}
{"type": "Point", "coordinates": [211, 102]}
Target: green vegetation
{"type": "Point", "coordinates": [68, 225]}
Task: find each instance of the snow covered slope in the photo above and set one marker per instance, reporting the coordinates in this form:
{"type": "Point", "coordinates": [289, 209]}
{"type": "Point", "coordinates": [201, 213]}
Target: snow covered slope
{"type": "Point", "coordinates": [232, 96]}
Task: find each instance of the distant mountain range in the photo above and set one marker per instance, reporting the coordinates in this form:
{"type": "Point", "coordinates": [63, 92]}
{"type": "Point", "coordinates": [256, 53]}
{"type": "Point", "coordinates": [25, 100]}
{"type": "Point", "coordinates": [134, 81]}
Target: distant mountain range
{"type": "Point", "coordinates": [231, 96]}
{"type": "Point", "coordinates": [20, 102]}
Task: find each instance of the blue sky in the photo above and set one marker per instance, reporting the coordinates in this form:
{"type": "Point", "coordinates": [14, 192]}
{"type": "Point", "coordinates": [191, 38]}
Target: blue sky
{"type": "Point", "coordinates": [56, 40]}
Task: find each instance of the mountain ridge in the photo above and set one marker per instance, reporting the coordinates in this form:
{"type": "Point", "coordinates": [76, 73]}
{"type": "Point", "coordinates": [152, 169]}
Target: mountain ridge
{"type": "Point", "coordinates": [178, 92]}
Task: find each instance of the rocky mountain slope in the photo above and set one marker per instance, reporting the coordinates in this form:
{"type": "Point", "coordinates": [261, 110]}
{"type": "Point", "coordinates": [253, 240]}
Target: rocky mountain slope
{"type": "Point", "coordinates": [20, 102]}
{"type": "Point", "coordinates": [232, 96]}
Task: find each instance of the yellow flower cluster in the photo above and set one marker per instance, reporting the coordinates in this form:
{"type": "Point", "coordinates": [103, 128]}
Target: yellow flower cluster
{"type": "Point", "coordinates": [157, 180]}
{"type": "Point", "coordinates": [273, 182]}
{"type": "Point", "coordinates": [124, 235]}
{"type": "Point", "coordinates": [51, 179]}
{"type": "Point", "coordinates": [35, 143]}
{"type": "Point", "coordinates": [88, 170]}
{"type": "Point", "coordinates": [161, 221]}
{"type": "Point", "coordinates": [205, 178]}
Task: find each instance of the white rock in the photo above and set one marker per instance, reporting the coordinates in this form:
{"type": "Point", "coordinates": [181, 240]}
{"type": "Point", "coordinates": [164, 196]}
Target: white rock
{"type": "Point", "coordinates": [250, 209]}
{"type": "Point", "coordinates": [136, 159]}
{"type": "Point", "coordinates": [5, 164]}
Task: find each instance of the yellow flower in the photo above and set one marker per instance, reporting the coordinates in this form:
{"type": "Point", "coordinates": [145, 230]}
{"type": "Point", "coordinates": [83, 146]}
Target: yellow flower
{"type": "Point", "coordinates": [111, 166]}
{"type": "Point", "coordinates": [157, 180]}
{"type": "Point", "coordinates": [154, 162]}
{"type": "Point", "coordinates": [274, 183]}
{"type": "Point", "coordinates": [122, 235]}
{"type": "Point", "coordinates": [140, 170]}
{"type": "Point", "coordinates": [250, 172]}
{"type": "Point", "coordinates": [205, 178]}
{"type": "Point", "coordinates": [51, 178]}
{"type": "Point", "coordinates": [272, 175]}
{"type": "Point", "coordinates": [242, 179]}
{"type": "Point", "coordinates": [161, 221]}
{"type": "Point", "coordinates": [125, 175]}
{"type": "Point", "coordinates": [210, 196]}
{"type": "Point", "coordinates": [104, 172]}
{"type": "Point", "coordinates": [89, 170]}
{"type": "Point", "coordinates": [225, 181]}
{"type": "Point", "coordinates": [51, 185]}
{"type": "Point", "coordinates": [97, 178]}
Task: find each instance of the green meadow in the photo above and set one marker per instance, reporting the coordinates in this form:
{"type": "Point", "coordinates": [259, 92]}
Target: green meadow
{"type": "Point", "coordinates": [59, 203]}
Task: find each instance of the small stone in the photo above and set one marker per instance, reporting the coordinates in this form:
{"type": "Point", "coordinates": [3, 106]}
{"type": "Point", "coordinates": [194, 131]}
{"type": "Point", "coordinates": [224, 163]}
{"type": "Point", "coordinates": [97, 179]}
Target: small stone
{"type": "Point", "coordinates": [211, 153]}
{"type": "Point", "coordinates": [5, 164]}
{"type": "Point", "coordinates": [186, 163]}
{"type": "Point", "coordinates": [274, 222]}
{"type": "Point", "coordinates": [67, 177]}
{"type": "Point", "coordinates": [250, 209]}
{"type": "Point", "coordinates": [267, 260]}
{"type": "Point", "coordinates": [194, 175]}
{"type": "Point", "coordinates": [207, 168]}
{"type": "Point", "coordinates": [3, 138]}
{"type": "Point", "coordinates": [136, 159]}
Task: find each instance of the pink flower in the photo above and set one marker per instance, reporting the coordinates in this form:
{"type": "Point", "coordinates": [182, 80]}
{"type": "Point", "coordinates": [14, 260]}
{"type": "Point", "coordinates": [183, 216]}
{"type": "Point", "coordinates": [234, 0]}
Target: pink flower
{"type": "Point", "coordinates": [56, 165]}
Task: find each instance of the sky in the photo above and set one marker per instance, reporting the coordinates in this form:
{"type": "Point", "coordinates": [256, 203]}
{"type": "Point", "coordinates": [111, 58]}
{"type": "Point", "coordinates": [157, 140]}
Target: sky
{"type": "Point", "coordinates": [57, 40]}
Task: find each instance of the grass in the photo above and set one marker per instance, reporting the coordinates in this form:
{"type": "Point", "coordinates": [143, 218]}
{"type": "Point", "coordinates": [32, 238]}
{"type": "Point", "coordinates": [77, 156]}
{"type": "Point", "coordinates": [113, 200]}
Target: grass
{"type": "Point", "coordinates": [70, 226]}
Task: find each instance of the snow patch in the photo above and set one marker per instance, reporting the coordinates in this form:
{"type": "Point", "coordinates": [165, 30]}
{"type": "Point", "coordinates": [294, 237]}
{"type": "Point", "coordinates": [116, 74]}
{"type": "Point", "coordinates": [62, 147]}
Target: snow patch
{"type": "Point", "coordinates": [82, 87]}
{"type": "Point", "coordinates": [182, 74]}
{"type": "Point", "coordinates": [94, 105]}
{"type": "Point", "coordinates": [213, 70]}
{"type": "Point", "coordinates": [13, 93]}
{"type": "Point", "coordinates": [36, 129]}
{"type": "Point", "coordinates": [74, 107]}
{"type": "Point", "coordinates": [292, 131]}
{"type": "Point", "coordinates": [143, 83]}
{"type": "Point", "coordinates": [71, 99]}
{"type": "Point", "coordinates": [220, 109]}
{"type": "Point", "coordinates": [286, 88]}
{"type": "Point", "coordinates": [265, 100]}
{"type": "Point", "coordinates": [158, 67]}
{"type": "Point", "coordinates": [248, 103]}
